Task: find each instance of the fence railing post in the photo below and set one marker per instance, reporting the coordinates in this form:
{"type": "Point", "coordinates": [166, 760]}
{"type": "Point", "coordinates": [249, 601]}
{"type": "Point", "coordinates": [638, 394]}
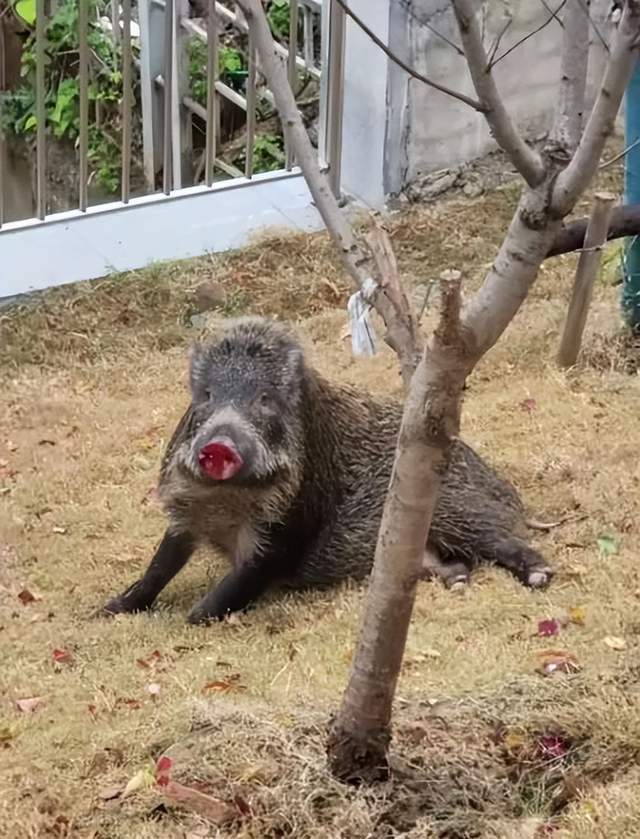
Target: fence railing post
{"type": "Point", "coordinates": [151, 22]}
{"type": "Point", "coordinates": [181, 120]}
{"type": "Point", "coordinates": [332, 91]}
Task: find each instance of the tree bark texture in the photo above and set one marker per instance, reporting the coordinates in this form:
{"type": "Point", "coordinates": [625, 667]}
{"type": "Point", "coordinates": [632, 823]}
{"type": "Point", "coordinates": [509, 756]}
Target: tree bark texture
{"type": "Point", "coordinates": [358, 742]}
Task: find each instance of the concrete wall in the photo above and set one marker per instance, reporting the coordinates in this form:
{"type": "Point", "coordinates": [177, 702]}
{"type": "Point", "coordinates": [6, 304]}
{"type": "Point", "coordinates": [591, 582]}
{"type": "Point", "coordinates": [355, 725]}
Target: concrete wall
{"type": "Point", "coordinates": [425, 130]}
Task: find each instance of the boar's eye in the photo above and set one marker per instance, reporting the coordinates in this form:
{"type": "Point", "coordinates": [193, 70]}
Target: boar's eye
{"type": "Point", "coordinates": [265, 400]}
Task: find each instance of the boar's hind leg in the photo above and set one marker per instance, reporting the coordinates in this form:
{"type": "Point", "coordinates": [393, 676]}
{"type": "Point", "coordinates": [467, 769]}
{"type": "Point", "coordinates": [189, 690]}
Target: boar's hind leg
{"type": "Point", "coordinates": [172, 554]}
{"type": "Point", "coordinates": [524, 562]}
{"type": "Point", "coordinates": [234, 592]}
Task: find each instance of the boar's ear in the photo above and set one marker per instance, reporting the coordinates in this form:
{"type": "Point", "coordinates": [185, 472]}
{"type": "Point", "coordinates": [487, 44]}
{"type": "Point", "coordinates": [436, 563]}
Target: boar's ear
{"type": "Point", "coordinates": [197, 369]}
{"type": "Point", "coordinates": [295, 367]}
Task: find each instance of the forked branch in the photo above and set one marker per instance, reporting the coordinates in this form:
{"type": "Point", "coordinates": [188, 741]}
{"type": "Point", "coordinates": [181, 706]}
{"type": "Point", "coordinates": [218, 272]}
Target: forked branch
{"type": "Point", "coordinates": [526, 160]}
{"type": "Point", "coordinates": [572, 182]}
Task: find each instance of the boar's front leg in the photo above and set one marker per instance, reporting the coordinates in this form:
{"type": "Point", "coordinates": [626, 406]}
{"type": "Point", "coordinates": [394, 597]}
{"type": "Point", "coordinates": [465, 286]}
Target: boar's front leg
{"type": "Point", "coordinates": [234, 592]}
{"type": "Point", "coordinates": [172, 554]}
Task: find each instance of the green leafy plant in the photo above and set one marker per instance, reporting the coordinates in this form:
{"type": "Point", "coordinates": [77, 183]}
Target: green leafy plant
{"type": "Point", "coordinates": [62, 95]}
{"type": "Point", "coordinates": [231, 68]}
{"type": "Point", "coordinates": [26, 11]}
{"type": "Point", "coordinates": [268, 153]}
{"type": "Point", "coordinates": [278, 17]}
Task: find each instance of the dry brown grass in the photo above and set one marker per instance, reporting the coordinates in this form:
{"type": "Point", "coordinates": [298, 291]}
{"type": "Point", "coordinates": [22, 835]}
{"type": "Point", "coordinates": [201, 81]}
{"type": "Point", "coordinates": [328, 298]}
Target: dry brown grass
{"type": "Point", "coordinates": [93, 380]}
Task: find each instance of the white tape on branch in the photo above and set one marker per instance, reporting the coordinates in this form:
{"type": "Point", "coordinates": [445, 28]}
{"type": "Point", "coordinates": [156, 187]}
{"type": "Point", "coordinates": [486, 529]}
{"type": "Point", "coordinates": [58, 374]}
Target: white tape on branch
{"type": "Point", "coordinates": [363, 339]}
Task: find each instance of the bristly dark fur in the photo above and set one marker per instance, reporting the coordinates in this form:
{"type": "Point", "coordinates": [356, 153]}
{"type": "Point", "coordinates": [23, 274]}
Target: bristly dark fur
{"type": "Point", "coordinates": [309, 512]}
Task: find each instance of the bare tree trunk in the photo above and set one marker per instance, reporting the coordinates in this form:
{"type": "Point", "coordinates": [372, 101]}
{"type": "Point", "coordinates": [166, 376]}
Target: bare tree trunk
{"type": "Point", "coordinates": [357, 746]}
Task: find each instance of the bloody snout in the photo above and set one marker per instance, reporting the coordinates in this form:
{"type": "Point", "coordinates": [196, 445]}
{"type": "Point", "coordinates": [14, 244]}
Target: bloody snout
{"type": "Point", "coordinates": [220, 459]}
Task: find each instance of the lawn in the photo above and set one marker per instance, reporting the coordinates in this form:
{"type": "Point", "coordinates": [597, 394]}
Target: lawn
{"type": "Point", "coordinates": [93, 379]}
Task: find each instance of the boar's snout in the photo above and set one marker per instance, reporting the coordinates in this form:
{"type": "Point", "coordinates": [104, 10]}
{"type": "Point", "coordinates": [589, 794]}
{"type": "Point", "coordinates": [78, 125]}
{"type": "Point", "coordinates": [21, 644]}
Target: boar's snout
{"type": "Point", "coordinates": [220, 459]}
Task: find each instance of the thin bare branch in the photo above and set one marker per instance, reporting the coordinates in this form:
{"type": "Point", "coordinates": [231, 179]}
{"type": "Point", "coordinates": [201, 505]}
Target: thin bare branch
{"type": "Point", "coordinates": [584, 4]}
{"type": "Point", "coordinates": [606, 163]}
{"type": "Point", "coordinates": [552, 13]}
{"type": "Point", "coordinates": [461, 97]}
{"type": "Point", "coordinates": [553, 16]}
{"type": "Point", "coordinates": [406, 5]}
{"type": "Point", "coordinates": [622, 60]}
{"type": "Point", "coordinates": [625, 221]}
{"type": "Point", "coordinates": [527, 161]}
{"type": "Point", "coordinates": [497, 42]}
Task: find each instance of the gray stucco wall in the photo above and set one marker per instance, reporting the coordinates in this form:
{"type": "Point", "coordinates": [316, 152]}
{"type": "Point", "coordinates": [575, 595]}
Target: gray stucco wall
{"type": "Point", "coordinates": [415, 129]}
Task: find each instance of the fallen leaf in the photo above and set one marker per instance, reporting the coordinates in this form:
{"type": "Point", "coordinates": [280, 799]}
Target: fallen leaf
{"type": "Point", "coordinates": [45, 442]}
{"type": "Point", "coordinates": [92, 709]}
{"type": "Point", "coordinates": [224, 685]}
{"type": "Point", "coordinates": [513, 742]}
{"type": "Point", "coordinates": [528, 405]}
{"type": "Point", "coordinates": [61, 657]}
{"type": "Point", "coordinates": [151, 660]}
{"type": "Point", "coordinates": [27, 596]}
{"type": "Point", "coordinates": [60, 530]}
{"type": "Point", "coordinates": [7, 733]}
{"type": "Point", "coordinates": [557, 661]}
{"type": "Point", "coordinates": [163, 770]}
{"type": "Point", "coordinates": [134, 704]}
{"type": "Point", "coordinates": [552, 746]}
{"type": "Point", "coordinates": [28, 706]}
{"type": "Point", "coordinates": [109, 793]}
{"type": "Point", "coordinates": [607, 546]}
{"type": "Point", "coordinates": [614, 643]}
{"type": "Point", "coordinates": [577, 615]}
{"type": "Point", "coordinates": [143, 779]}
{"type": "Point", "coordinates": [548, 627]}
{"type": "Point", "coordinates": [210, 808]}
{"type": "Point", "coordinates": [154, 690]}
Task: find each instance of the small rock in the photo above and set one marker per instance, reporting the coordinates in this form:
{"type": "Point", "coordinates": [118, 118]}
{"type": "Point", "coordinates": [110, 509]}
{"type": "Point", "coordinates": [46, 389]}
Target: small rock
{"type": "Point", "coordinates": [473, 189]}
{"type": "Point", "coordinates": [209, 295]}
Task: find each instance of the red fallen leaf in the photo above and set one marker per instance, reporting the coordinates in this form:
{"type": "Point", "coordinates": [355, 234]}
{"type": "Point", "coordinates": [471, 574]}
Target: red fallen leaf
{"type": "Point", "coordinates": [548, 627]}
{"type": "Point", "coordinates": [552, 746]}
{"type": "Point", "coordinates": [92, 709]}
{"type": "Point", "coordinates": [26, 596]}
{"type": "Point", "coordinates": [213, 809]}
{"type": "Point", "coordinates": [61, 657]}
{"type": "Point", "coordinates": [528, 405]}
{"type": "Point", "coordinates": [557, 661]}
{"type": "Point", "coordinates": [152, 659]}
{"type": "Point", "coordinates": [134, 704]}
{"type": "Point", "coordinates": [28, 706]}
{"type": "Point", "coordinates": [163, 771]}
{"type": "Point", "coordinates": [224, 685]}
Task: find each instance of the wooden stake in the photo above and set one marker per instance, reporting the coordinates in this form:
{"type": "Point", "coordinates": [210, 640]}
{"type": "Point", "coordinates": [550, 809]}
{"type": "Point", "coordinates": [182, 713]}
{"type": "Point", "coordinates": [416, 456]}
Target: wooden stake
{"type": "Point", "coordinates": [586, 273]}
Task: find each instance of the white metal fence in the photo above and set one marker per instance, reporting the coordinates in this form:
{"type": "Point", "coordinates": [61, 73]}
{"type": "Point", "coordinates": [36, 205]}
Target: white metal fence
{"type": "Point", "coordinates": [186, 200]}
